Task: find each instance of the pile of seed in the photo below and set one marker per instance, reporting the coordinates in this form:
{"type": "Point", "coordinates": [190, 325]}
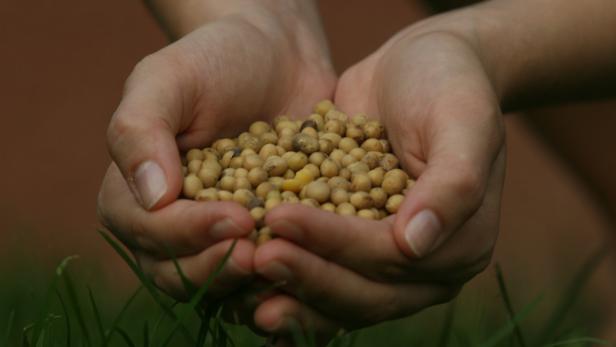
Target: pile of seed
{"type": "Point", "coordinates": [330, 161]}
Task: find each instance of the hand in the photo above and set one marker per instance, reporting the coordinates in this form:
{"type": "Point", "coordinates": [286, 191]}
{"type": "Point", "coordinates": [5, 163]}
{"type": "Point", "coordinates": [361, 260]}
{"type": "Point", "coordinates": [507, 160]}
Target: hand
{"type": "Point", "coordinates": [212, 83]}
{"type": "Point", "coordinates": [434, 97]}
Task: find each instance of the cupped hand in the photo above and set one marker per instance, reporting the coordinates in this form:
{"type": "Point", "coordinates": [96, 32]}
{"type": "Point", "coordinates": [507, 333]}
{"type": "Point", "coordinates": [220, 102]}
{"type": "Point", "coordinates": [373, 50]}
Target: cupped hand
{"type": "Point", "coordinates": [442, 116]}
{"type": "Point", "coordinates": [212, 83]}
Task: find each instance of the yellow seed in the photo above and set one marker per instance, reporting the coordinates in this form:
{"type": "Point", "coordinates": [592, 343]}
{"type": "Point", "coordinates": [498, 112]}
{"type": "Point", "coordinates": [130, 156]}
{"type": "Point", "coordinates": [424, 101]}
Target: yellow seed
{"type": "Point", "coordinates": [394, 181]}
{"type": "Point", "coordinates": [258, 214]}
{"type": "Point", "coordinates": [371, 159]}
{"type": "Point", "coordinates": [356, 133]}
{"type": "Point", "coordinates": [361, 182]}
{"type": "Point", "coordinates": [264, 188]}
{"type": "Point", "coordinates": [227, 183]}
{"type": "Point", "coordinates": [256, 176]}
{"type": "Point", "coordinates": [332, 137]}
{"type": "Point", "coordinates": [223, 145]}
{"type": "Point", "coordinates": [310, 202]}
{"type": "Point", "coordinates": [358, 167]}
{"type": "Point", "coordinates": [339, 196]}
{"type": "Point", "coordinates": [335, 127]}
{"type": "Point", "coordinates": [241, 183]}
{"type": "Point", "coordinates": [337, 155]}
{"type": "Point", "coordinates": [348, 160]}
{"type": "Point", "coordinates": [345, 209]}
{"type": "Point", "coordinates": [267, 151]}
{"type": "Point", "coordinates": [393, 203]}
{"type": "Point", "coordinates": [236, 162]}
{"type": "Point", "coordinates": [373, 129]}
{"type": "Point", "coordinates": [372, 145]}
{"type": "Point", "coordinates": [347, 144]}
{"type": "Point", "coordinates": [312, 132]}
{"type": "Point", "coordinates": [253, 160]}
{"type": "Point", "coordinates": [366, 213]}
{"type": "Point", "coordinates": [192, 185]}
{"type": "Point", "coordinates": [224, 195]}
{"type": "Point", "coordinates": [276, 181]}
{"type": "Point", "coordinates": [379, 197]}
{"type": "Point", "coordinates": [208, 194]}
{"type": "Point", "coordinates": [240, 172]}
{"type": "Point", "coordinates": [289, 197]}
{"type": "Point", "coordinates": [318, 120]}
{"type": "Point", "coordinates": [386, 145]}
{"type": "Point", "coordinates": [313, 169]}
{"type": "Point", "coordinates": [358, 153]}
{"type": "Point", "coordinates": [318, 191]}
{"type": "Point", "coordinates": [286, 142]}
{"type": "Point", "coordinates": [247, 151]}
{"type": "Point", "coordinates": [259, 128]}
{"type": "Point", "coordinates": [275, 166]}
{"type": "Point", "coordinates": [289, 174]}
{"type": "Point", "coordinates": [317, 158]}
{"type": "Point", "coordinates": [329, 168]}
{"type": "Point", "coordinates": [323, 106]}
{"type": "Point", "coordinates": [361, 200]}
{"type": "Point", "coordinates": [263, 238]}
{"type": "Point", "coordinates": [194, 165]}
{"type": "Point", "coordinates": [269, 137]}
{"type": "Point", "coordinates": [296, 161]}
{"type": "Point", "coordinates": [326, 146]}
{"type": "Point", "coordinates": [339, 182]}
{"type": "Point", "coordinates": [305, 143]}
{"type": "Point", "coordinates": [376, 176]}
{"type": "Point", "coordinates": [328, 206]}
{"type": "Point", "coordinates": [243, 196]}
{"type": "Point", "coordinates": [194, 154]}
{"type": "Point", "coordinates": [389, 162]}
{"type": "Point", "coordinates": [294, 185]}
{"type": "Point", "coordinates": [208, 177]}
{"type": "Point", "coordinates": [359, 119]}
{"type": "Point", "coordinates": [271, 203]}
{"type": "Point", "coordinates": [346, 173]}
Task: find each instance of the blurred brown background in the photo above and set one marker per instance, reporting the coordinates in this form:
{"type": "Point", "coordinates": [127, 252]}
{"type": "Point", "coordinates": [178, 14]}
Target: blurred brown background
{"type": "Point", "coordinates": [62, 68]}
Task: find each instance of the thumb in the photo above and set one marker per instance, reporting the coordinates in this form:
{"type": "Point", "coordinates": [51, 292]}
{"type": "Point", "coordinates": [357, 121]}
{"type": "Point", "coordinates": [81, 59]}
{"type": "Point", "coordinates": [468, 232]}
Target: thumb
{"type": "Point", "coordinates": [450, 189]}
{"type": "Point", "coordinates": [141, 134]}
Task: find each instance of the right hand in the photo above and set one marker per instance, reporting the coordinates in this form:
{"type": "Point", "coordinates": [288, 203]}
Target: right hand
{"type": "Point", "coordinates": [210, 84]}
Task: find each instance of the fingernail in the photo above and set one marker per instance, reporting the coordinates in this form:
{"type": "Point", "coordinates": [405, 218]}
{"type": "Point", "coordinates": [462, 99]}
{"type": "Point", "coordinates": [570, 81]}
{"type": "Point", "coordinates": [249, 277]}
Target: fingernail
{"type": "Point", "coordinates": [151, 183]}
{"type": "Point", "coordinates": [422, 232]}
{"type": "Point", "coordinates": [224, 229]}
{"type": "Point", "coordinates": [287, 230]}
{"type": "Point", "coordinates": [275, 271]}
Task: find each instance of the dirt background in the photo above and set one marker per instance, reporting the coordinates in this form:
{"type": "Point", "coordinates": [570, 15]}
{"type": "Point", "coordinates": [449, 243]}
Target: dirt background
{"type": "Point", "coordinates": [62, 67]}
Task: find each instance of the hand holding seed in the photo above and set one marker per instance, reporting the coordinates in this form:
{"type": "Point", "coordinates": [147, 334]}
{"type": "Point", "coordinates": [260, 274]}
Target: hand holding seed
{"type": "Point", "coordinates": [433, 99]}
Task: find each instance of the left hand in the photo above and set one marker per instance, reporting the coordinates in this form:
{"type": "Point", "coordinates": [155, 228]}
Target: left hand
{"type": "Point", "coordinates": [435, 98]}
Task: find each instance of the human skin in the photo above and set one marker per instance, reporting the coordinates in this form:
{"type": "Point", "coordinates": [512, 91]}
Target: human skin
{"type": "Point", "coordinates": [440, 85]}
{"type": "Point", "coordinates": [242, 62]}
{"type": "Point", "coordinates": [444, 77]}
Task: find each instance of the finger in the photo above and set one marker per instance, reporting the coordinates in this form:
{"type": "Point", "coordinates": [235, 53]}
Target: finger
{"type": "Point", "coordinates": [141, 134]}
{"type": "Point", "coordinates": [286, 316]}
{"type": "Point", "coordinates": [180, 228]}
{"type": "Point", "coordinates": [199, 268]}
{"type": "Point", "coordinates": [365, 246]}
{"type": "Point", "coordinates": [339, 292]}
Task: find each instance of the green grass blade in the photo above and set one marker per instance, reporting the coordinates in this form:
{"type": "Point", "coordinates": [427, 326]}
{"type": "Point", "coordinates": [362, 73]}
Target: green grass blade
{"type": "Point", "coordinates": [502, 287]}
{"type": "Point", "coordinates": [156, 326]}
{"type": "Point", "coordinates": [147, 283]}
{"type": "Point", "coordinates": [97, 315]}
{"type": "Point", "coordinates": [9, 328]}
{"type": "Point", "coordinates": [571, 294]}
{"type": "Point", "coordinates": [74, 302]}
{"type": "Point", "coordinates": [509, 327]}
{"type": "Point", "coordinates": [588, 340]}
{"type": "Point", "coordinates": [120, 315]}
{"type": "Point", "coordinates": [447, 325]}
{"type": "Point", "coordinates": [188, 285]}
{"type": "Point", "coordinates": [125, 336]}
{"type": "Point", "coordinates": [38, 326]}
{"type": "Point", "coordinates": [67, 320]}
{"type": "Point", "coordinates": [198, 297]}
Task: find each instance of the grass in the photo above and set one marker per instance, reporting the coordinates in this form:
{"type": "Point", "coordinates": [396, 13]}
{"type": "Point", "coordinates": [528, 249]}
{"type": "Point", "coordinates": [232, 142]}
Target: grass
{"type": "Point", "coordinates": [70, 313]}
